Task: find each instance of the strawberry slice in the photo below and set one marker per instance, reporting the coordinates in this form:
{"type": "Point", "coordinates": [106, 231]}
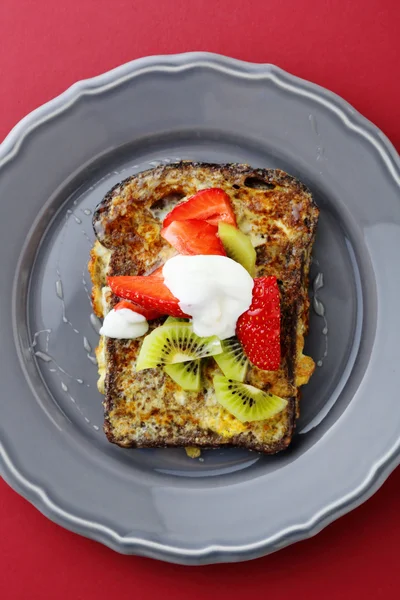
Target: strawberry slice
{"type": "Point", "coordinates": [258, 329]}
{"type": "Point", "coordinates": [148, 314]}
{"type": "Point", "coordinates": [193, 237]}
{"type": "Point", "coordinates": [157, 273]}
{"type": "Point", "coordinates": [212, 205]}
{"type": "Point", "coordinates": [148, 292]}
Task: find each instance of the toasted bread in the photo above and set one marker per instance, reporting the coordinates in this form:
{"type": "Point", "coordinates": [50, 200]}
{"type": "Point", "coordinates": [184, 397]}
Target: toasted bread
{"type": "Point", "coordinates": [147, 408]}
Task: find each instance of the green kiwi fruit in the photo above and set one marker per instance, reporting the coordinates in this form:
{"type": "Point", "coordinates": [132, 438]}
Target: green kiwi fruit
{"type": "Point", "coordinates": [238, 246]}
{"type": "Point", "coordinates": [170, 320]}
{"type": "Point", "coordinates": [233, 362]}
{"type": "Point", "coordinates": [246, 402]}
{"type": "Point", "coordinates": [187, 374]}
{"type": "Point", "coordinates": [175, 343]}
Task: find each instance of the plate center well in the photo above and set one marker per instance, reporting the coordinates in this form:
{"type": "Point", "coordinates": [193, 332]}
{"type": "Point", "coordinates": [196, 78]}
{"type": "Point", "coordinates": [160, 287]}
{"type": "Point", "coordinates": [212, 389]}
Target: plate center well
{"type": "Point", "coordinates": [60, 331]}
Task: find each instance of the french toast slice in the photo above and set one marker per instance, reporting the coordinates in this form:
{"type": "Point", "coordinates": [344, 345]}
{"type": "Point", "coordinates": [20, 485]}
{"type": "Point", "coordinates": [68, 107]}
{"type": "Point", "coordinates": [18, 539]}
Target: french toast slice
{"type": "Point", "coordinates": [147, 408]}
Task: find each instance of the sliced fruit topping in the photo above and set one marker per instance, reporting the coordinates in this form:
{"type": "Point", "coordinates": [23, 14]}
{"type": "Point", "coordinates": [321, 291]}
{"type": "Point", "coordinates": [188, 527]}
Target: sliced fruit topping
{"type": "Point", "coordinates": [187, 374]}
{"type": "Point", "coordinates": [233, 361]}
{"type": "Point", "coordinates": [258, 329]}
{"type": "Point", "coordinates": [175, 343]}
{"type": "Point", "coordinates": [246, 402]}
{"type": "Point", "coordinates": [148, 314]}
{"type": "Point", "coordinates": [212, 205]}
{"type": "Point", "coordinates": [193, 237]}
{"type": "Point", "coordinates": [157, 273]}
{"type": "Point", "coordinates": [148, 292]}
{"type": "Point", "coordinates": [180, 320]}
{"type": "Point", "coordinates": [238, 246]}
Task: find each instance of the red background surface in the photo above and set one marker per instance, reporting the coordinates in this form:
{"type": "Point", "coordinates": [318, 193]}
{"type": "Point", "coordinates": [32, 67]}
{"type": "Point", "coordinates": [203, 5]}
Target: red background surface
{"type": "Point", "coordinates": [353, 48]}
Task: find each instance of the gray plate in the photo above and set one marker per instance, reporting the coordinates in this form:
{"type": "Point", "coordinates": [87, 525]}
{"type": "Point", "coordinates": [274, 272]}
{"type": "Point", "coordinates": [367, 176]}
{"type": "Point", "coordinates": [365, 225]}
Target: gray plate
{"type": "Point", "coordinates": [231, 505]}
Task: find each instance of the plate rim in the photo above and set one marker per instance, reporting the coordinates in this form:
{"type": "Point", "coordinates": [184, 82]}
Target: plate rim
{"type": "Point", "coordinates": [352, 119]}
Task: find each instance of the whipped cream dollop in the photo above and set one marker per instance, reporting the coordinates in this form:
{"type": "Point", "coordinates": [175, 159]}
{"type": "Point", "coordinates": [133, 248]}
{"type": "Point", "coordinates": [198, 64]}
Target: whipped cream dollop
{"type": "Point", "coordinates": [213, 290]}
{"type": "Point", "coordinates": [124, 324]}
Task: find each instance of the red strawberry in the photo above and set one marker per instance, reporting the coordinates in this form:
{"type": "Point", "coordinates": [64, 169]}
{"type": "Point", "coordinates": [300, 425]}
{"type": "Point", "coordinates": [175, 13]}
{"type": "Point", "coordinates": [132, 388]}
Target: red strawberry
{"type": "Point", "coordinates": [157, 272]}
{"type": "Point", "coordinates": [148, 314]}
{"type": "Point", "coordinates": [148, 292]}
{"type": "Point", "coordinates": [212, 205]}
{"type": "Point", "coordinates": [258, 329]}
{"type": "Point", "coordinates": [193, 237]}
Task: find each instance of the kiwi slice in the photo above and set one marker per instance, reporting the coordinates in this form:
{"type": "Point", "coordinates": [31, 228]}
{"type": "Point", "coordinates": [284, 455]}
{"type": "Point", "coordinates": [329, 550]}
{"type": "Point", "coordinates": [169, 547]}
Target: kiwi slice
{"type": "Point", "coordinates": [246, 402]}
{"type": "Point", "coordinates": [186, 374]}
{"type": "Point", "coordinates": [233, 362]}
{"type": "Point", "coordinates": [170, 320]}
{"type": "Point", "coordinates": [175, 343]}
{"type": "Point", "coordinates": [238, 246]}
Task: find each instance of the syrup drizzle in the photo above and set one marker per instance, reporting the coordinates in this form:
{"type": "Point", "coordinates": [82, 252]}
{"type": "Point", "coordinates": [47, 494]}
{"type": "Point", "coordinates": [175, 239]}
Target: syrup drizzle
{"type": "Point", "coordinates": [319, 310]}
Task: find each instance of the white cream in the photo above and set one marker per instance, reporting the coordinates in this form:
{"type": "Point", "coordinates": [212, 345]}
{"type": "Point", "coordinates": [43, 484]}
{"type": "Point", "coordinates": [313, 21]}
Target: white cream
{"type": "Point", "coordinates": [124, 324]}
{"type": "Point", "coordinates": [213, 290]}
